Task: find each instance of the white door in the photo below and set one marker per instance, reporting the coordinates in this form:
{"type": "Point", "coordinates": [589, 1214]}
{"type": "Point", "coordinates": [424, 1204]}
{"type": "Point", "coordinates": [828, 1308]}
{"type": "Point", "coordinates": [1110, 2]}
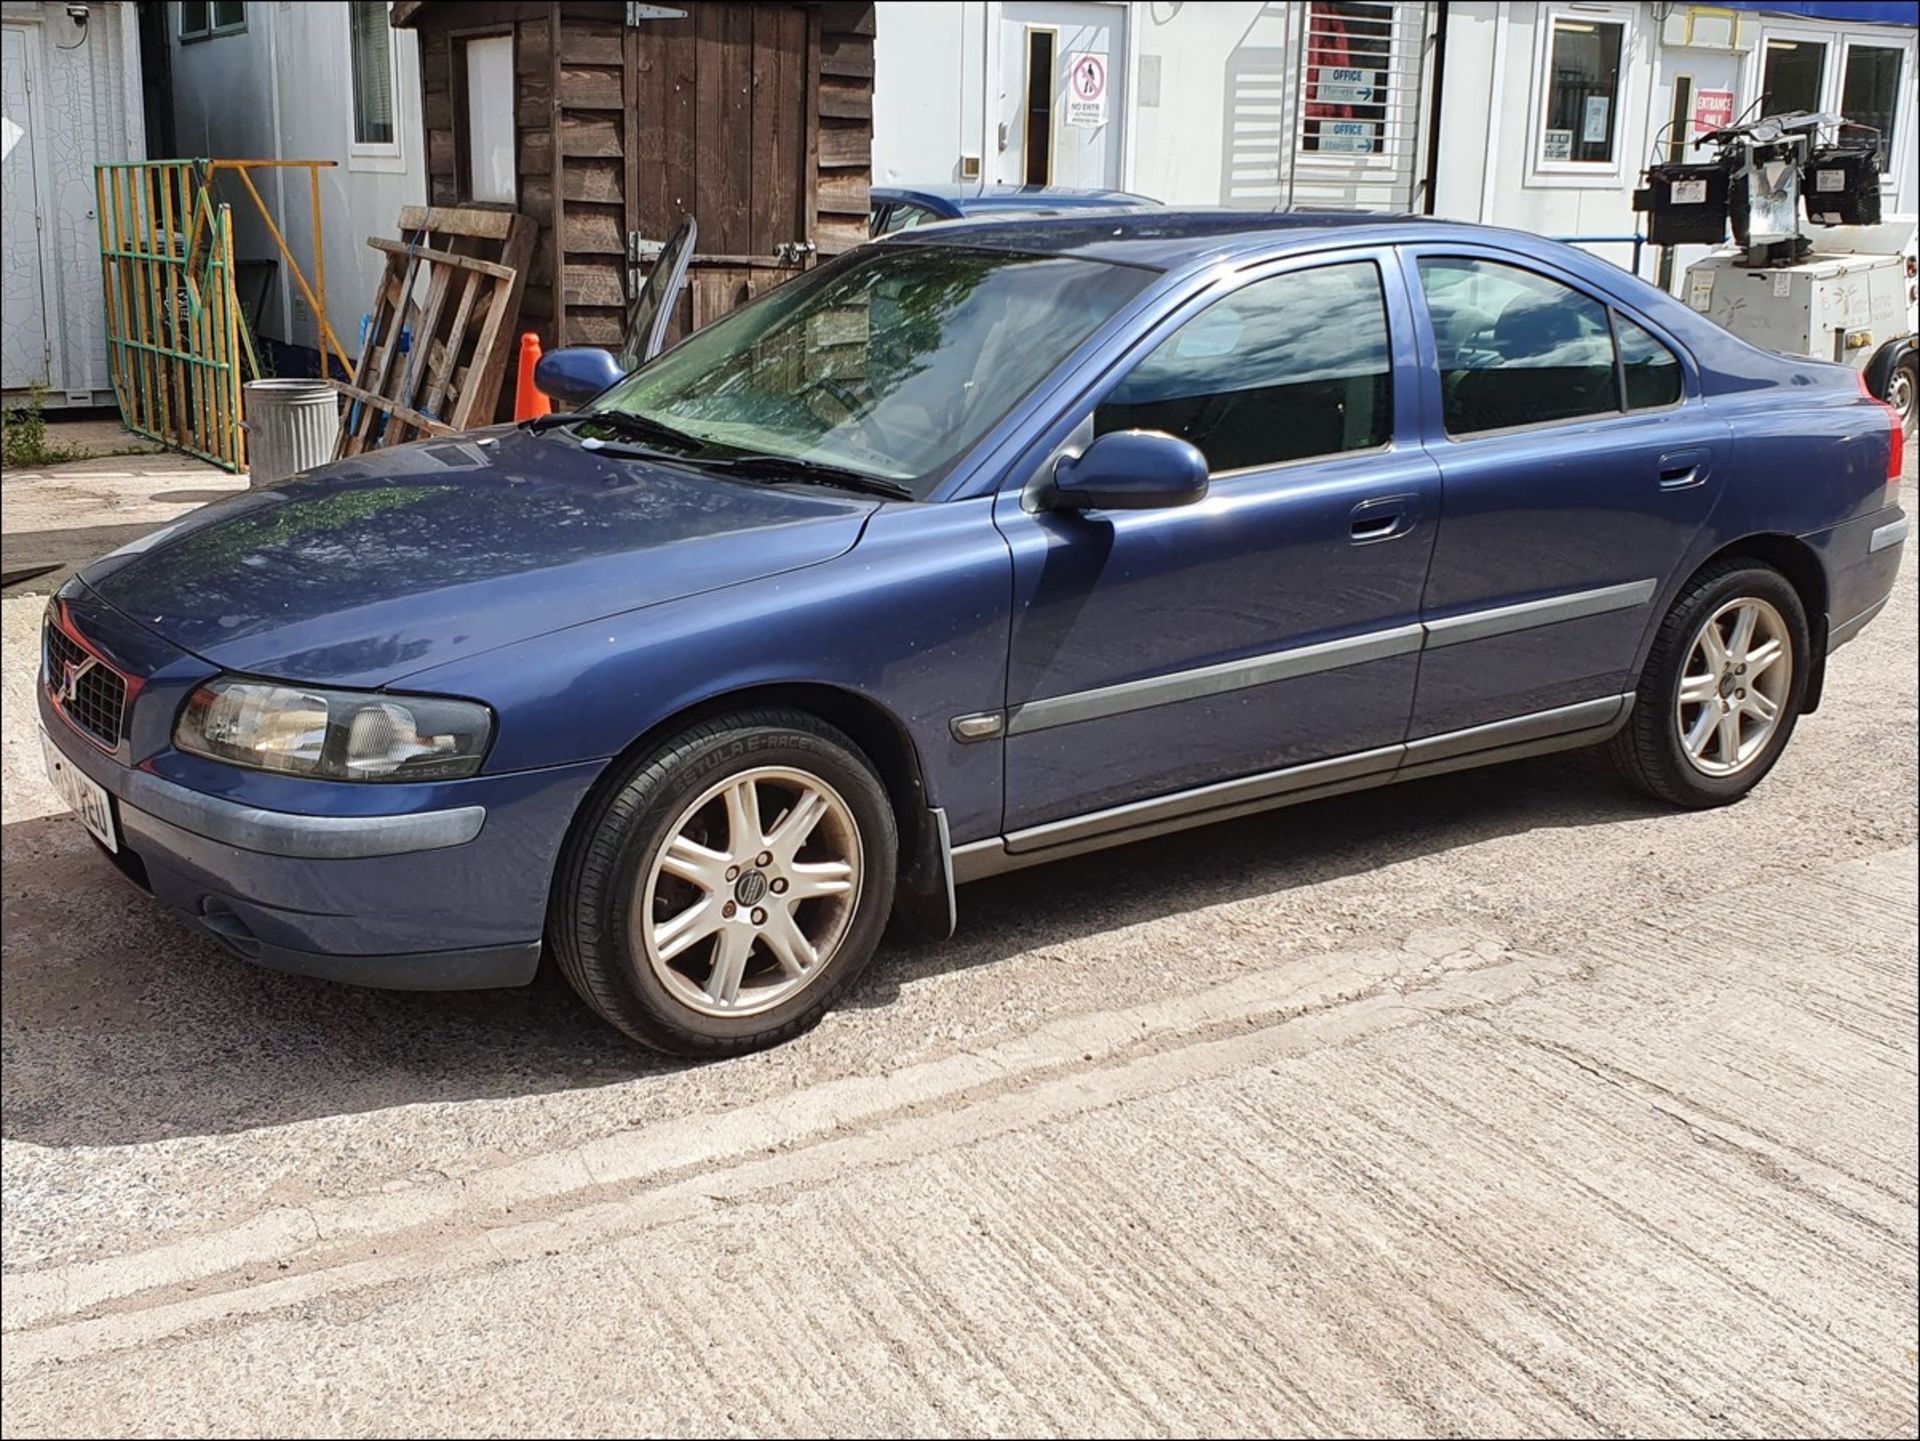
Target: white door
{"type": "Point", "coordinates": [23, 338]}
{"type": "Point", "coordinates": [1062, 89]}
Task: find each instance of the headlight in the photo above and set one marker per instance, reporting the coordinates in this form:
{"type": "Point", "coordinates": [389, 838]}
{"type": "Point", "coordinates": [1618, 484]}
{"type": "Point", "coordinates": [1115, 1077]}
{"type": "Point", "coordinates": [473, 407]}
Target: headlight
{"type": "Point", "coordinates": [332, 734]}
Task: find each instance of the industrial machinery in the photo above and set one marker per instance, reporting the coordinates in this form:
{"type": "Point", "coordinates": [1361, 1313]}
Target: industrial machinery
{"type": "Point", "coordinates": [1813, 269]}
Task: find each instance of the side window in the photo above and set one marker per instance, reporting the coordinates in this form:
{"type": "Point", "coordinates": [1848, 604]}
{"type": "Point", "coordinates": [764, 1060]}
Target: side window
{"type": "Point", "coordinates": [1283, 369]}
{"type": "Point", "coordinates": [1652, 371]}
{"type": "Point", "coordinates": [1515, 348]}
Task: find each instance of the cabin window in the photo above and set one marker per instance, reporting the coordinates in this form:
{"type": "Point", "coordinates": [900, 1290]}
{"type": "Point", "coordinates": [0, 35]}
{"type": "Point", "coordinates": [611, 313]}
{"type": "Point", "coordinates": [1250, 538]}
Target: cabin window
{"type": "Point", "coordinates": [1791, 78]}
{"type": "Point", "coordinates": [1870, 92]}
{"type": "Point", "coordinates": [203, 19]}
{"type": "Point", "coordinates": [1581, 122]}
{"type": "Point", "coordinates": [370, 51]}
{"type": "Point", "coordinates": [484, 113]}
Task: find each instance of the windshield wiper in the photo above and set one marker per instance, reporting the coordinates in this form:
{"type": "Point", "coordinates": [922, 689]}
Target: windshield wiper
{"type": "Point", "coordinates": [809, 472]}
{"type": "Point", "coordinates": [625, 422]}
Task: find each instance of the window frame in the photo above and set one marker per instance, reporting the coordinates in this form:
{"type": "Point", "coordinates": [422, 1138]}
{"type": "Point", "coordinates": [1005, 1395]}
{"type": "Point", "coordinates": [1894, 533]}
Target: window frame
{"type": "Point", "coordinates": [1233, 283]}
{"type": "Point", "coordinates": [213, 29]}
{"type": "Point", "coordinates": [457, 93]}
{"type": "Point", "coordinates": [1580, 174]}
{"type": "Point", "coordinates": [1434, 422]}
{"type": "Point", "coordinates": [387, 156]}
{"type": "Point", "coordinates": [1396, 127]}
{"type": "Point", "coordinates": [1853, 40]}
{"type": "Point", "coordinates": [1840, 40]}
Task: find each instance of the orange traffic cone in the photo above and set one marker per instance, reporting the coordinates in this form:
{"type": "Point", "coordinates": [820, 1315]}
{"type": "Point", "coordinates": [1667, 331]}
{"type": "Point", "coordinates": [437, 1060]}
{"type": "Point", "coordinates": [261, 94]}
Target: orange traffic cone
{"type": "Point", "coordinates": [528, 399]}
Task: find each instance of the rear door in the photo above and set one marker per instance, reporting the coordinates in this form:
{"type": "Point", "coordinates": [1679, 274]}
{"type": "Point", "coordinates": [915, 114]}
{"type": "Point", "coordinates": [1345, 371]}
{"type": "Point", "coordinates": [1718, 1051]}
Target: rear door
{"type": "Point", "coordinates": [1572, 484]}
{"type": "Point", "coordinates": [1272, 624]}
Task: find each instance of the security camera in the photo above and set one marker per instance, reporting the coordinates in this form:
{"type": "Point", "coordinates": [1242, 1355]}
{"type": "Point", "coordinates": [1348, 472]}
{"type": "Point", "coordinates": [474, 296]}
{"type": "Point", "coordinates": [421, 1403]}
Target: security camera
{"type": "Point", "coordinates": [77, 14]}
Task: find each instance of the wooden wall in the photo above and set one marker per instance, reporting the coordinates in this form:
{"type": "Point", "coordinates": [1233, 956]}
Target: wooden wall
{"type": "Point", "coordinates": [755, 117]}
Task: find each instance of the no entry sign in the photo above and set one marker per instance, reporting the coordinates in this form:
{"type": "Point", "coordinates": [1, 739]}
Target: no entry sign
{"type": "Point", "coordinates": [1086, 89]}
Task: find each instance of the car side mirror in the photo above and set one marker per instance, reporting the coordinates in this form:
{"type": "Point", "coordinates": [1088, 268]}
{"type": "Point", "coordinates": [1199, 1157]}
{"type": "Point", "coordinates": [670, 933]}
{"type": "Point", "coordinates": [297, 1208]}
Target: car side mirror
{"type": "Point", "coordinates": [1129, 470]}
{"type": "Point", "coordinates": [576, 374]}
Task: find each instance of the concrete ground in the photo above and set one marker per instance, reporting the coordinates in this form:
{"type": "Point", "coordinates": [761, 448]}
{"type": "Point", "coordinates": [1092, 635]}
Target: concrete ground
{"type": "Point", "coordinates": [1502, 1102]}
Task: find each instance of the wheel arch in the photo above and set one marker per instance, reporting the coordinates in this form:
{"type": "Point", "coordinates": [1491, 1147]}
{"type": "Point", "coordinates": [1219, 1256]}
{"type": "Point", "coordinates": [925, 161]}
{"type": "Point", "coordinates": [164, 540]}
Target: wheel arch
{"type": "Point", "coordinates": [1798, 562]}
{"type": "Point", "coordinates": [923, 893]}
{"type": "Point", "coordinates": [1879, 370]}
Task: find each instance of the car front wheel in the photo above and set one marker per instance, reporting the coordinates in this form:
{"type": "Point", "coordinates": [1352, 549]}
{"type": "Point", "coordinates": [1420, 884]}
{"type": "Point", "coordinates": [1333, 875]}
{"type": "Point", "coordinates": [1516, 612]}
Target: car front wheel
{"type": "Point", "coordinates": [1722, 688]}
{"type": "Point", "coordinates": [729, 886]}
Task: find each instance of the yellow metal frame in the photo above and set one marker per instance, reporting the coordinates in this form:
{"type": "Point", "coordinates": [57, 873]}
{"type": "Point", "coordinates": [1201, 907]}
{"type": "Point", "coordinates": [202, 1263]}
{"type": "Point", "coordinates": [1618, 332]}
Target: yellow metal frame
{"type": "Point", "coordinates": [175, 344]}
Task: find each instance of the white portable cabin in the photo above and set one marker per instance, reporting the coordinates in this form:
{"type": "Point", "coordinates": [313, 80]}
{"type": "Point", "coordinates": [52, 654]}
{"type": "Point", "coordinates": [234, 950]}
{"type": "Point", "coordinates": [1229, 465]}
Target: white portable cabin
{"type": "Point", "coordinates": [72, 100]}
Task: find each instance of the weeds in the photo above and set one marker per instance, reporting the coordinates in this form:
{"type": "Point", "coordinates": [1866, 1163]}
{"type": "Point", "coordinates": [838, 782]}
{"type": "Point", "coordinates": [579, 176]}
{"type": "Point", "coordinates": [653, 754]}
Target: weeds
{"type": "Point", "coordinates": [23, 434]}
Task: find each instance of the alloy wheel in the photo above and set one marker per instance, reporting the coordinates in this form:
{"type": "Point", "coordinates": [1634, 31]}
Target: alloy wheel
{"type": "Point", "coordinates": [1734, 687]}
{"type": "Point", "coordinates": [753, 892]}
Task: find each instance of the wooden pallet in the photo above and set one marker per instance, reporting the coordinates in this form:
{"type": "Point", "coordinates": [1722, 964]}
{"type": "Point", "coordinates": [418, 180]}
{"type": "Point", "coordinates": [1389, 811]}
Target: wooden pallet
{"type": "Point", "coordinates": [474, 264]}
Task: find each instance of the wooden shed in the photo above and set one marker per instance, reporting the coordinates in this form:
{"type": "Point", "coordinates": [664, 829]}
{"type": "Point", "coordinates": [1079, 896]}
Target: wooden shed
{"type": "Point", "coordinates": [609, 122]}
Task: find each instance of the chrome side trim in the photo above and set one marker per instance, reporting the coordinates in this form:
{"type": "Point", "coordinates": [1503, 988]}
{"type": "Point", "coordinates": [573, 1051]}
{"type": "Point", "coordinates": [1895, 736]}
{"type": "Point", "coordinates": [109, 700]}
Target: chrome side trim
{"type": "Point", "coordinates": [1479, 624]}
{"type": "Point", "coordinates": [1232, 675]}
{"type": "Point", "coordinates": [282, 833]}
{"type": "Point", "coordinates": [1206, 798]}
{"type": "Point", "coordinates": [1847, 630]}
{"type": "Point", "coordinates": [1538, 733]}
{"type": "Point", "coordinates": [1892, 533]}
{"type": "Point", "coordinates": [1535, 726]}
{"type": "Point", "coordinates": [1213, 679]}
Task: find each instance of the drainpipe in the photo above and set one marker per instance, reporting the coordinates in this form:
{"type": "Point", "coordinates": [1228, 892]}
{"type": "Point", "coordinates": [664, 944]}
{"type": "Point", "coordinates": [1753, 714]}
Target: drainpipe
{"type": "Point", "coordinates": [1432, 180]}
{"type": "Point", "coordinates": [279, 182]}
{"type": "Point", "coordinates": [1496, 93]}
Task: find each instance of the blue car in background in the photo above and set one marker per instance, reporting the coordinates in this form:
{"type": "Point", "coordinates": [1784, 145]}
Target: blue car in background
{"type": "Point", "coordinates": [979, 546]}
{"type": "Point", "coordinates": [893, 208]}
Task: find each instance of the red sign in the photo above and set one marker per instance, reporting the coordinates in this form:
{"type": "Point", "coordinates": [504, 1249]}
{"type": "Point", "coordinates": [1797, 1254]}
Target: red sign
{"type": "Point", "coordinates": [1712, 110]}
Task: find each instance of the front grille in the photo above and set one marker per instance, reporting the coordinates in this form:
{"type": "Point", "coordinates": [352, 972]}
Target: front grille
{"type": "Point", "coordinates": [99, 692]}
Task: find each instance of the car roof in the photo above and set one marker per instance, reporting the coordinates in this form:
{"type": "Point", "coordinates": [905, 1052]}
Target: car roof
{"type": "Point", "coordinates": [1167, 239]}
{"type": "Point", "coordinates": [958, 198]}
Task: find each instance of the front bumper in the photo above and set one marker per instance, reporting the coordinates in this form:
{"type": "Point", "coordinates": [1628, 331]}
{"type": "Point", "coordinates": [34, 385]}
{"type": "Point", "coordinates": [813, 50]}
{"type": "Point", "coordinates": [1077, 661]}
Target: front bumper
{"type": "Point", "coordinates": [450, 894]}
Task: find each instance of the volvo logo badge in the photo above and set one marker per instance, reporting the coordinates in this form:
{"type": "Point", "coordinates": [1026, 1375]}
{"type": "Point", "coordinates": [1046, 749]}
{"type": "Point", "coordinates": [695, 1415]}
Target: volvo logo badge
{"type": "Point", "coordinates": [70, 680]}
{"type": "Point", "coordinates": [751, 888]}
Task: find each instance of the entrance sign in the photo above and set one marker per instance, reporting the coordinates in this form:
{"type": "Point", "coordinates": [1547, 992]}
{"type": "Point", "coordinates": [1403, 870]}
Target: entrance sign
{"type": "Point", "coordinates": [1712, 110]}
{"type": "Point", "coordinates": [1086, 90]}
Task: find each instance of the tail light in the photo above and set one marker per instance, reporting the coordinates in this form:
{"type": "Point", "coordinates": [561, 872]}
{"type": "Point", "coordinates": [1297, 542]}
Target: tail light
{"type": "Point", "coordinates": [1897, 450]}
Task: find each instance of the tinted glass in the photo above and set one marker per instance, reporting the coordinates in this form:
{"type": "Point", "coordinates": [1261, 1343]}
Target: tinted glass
{"type": "Point", "coordinates": [1792, 77]}
{"type": "Point", "coordinates": [1870, 92]}
{"type": "Point", "coordinates": [1652, 371]}
{"type": "Point", "coordinates": [1515, 348]}
{"type": "Point", "coordinates": [1286, 368]}
{"type": "Point", "coordinates": [1583, 89]}
{"type": "Point", "coordinates": [891, 360]}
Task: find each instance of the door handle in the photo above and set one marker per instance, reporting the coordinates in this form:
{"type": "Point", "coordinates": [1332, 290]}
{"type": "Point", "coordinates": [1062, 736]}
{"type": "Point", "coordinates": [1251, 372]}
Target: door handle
{"type": "Point", "coordinates": [1683, 469]}
{"type": "Point", "coordinates": [1383, 518]}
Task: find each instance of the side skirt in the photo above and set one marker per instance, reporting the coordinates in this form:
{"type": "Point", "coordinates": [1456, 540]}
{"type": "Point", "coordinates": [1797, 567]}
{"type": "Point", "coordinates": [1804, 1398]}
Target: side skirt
{"type": "Point", "coordinates": [1540, 733]}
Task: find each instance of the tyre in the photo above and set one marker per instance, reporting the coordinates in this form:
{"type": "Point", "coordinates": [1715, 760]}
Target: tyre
{"type": "Point", "coordinates": [1901, 388]}
{"type": "Point", "coordinates": [728, 885]}
{"type": "Point", "coordinates": [1722, 688]}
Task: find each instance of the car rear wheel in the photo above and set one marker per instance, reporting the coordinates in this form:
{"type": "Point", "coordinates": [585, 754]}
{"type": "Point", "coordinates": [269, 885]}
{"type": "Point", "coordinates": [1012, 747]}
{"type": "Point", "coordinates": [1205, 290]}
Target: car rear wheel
{"type": "Point", "coordinates": [729, 886]}
{"type": "Point", "coordinates": [1722, 688]}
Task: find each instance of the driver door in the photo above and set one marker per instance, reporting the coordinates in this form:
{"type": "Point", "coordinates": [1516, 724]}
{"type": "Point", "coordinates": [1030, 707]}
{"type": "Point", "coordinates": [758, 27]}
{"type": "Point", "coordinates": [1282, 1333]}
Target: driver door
{"type": "Point", "coordinates": [1276, 622]}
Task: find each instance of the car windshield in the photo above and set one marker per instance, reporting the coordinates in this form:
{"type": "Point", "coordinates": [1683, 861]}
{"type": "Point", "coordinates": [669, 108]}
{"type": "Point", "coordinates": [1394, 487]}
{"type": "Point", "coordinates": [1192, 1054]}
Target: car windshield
{"type": "Point", "coordinates": [891, 361]}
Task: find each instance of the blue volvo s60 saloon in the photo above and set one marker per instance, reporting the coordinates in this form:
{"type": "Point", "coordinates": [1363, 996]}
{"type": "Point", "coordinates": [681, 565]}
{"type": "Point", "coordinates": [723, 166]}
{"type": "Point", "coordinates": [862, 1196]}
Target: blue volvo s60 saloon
{"type": "Point", "coordinates": [979, 546]}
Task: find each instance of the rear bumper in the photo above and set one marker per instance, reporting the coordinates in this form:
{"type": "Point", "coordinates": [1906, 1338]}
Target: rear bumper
{"type": "Point", "coordinates": [448, 896]}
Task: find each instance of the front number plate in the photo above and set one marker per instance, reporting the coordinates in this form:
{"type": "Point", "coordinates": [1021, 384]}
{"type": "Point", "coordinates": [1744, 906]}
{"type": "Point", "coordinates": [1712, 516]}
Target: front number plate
{"type": "Point", "coordinates": [84, 797]}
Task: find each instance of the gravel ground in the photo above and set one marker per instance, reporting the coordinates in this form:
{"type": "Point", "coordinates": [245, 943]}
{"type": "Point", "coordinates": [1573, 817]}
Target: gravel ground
{"type": "Point", "coordinates": [1502, 1100]}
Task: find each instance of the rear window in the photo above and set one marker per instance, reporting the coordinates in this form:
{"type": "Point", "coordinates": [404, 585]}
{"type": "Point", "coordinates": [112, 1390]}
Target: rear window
{"type": "Point", "coordinates": [1515, 348]}
{"type": "Point", "coordinates": [1652, 372]}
